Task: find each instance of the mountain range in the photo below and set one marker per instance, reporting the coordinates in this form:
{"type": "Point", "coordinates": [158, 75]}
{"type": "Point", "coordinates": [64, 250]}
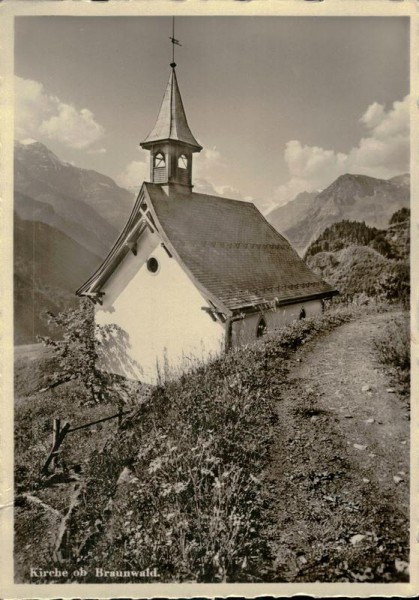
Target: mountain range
{"type": "Point", "coordinates": [85, 205]}
{"type": "Point", "coordinates": [351, 197]}
{"type": "Point", "coordinates": [67, 219]}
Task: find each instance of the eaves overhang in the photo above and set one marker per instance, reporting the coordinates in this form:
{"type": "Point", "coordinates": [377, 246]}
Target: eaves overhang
{"type": "Point", "coordinates": [150, 143]}
{"type": "Point", "coordinates": [277, 302]}
{"type": "Point", "coordinates": [124, 244]}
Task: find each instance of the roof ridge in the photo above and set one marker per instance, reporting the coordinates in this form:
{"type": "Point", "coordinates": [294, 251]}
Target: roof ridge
{"type": "Point", "coordinates": [244, 202]}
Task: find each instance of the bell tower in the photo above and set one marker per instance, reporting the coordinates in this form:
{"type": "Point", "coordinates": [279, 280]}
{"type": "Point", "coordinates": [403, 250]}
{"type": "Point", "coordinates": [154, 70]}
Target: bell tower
{"type": "Point", "coordinates": [171, 143]}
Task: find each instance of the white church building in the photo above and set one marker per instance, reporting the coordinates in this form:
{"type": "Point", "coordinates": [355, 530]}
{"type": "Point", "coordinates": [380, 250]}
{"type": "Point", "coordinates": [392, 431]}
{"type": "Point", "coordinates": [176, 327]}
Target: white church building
{"type": "Point", "coordinates": [194, 275]}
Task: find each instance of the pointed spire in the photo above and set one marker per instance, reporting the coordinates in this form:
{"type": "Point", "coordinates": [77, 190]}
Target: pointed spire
{"type": "Point", "coordinates": [171, 123]}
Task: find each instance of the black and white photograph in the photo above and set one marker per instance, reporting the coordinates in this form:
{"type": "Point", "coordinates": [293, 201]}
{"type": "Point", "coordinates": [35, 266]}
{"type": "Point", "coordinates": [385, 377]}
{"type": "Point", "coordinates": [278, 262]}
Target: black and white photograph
{"type": "Point", "coordinates": [211, 299]}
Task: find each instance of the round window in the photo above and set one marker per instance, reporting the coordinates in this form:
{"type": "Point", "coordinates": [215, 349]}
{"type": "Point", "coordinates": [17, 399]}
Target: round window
{"type": "Point", "coordinates": [153, 265]}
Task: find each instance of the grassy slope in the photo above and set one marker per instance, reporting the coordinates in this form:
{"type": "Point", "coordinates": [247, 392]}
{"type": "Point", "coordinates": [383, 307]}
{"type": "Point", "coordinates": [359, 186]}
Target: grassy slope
{"type": "Point", "coordinates": [194, 499]}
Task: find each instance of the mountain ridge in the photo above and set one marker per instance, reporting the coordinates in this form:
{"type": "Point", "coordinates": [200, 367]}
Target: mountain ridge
{"type": "Point", "coordinates": [47, 271]}
{"type": "Point", "coordinates": [88, 206]}
{"type": "Point", "coordinates": [351, 196]}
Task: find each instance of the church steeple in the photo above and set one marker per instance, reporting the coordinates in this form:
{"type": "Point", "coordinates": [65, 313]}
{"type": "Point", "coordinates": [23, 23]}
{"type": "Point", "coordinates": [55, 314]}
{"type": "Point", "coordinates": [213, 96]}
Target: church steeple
{"type": "Point", "coordinates": [171, 142]}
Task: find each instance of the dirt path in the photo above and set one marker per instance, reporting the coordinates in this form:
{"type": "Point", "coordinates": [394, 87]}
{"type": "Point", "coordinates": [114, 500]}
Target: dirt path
{"type": "Point", "coordinates": [340, 469]}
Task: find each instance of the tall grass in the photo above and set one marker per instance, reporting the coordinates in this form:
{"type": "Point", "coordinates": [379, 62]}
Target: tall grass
{"type": "Point", "coordinates": [393, 348]}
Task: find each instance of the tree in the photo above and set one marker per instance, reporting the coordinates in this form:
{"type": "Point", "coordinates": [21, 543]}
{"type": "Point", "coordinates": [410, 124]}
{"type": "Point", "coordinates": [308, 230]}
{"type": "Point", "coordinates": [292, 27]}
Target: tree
{"type": "Point", "coordinates": [77, 350]}
{"type": "Point", "coordinates": [403, 214]}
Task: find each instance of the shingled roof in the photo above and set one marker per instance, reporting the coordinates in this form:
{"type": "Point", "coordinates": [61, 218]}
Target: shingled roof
{"type": "Point", "coordinates": [171, 123]}
{"type": "Point", "coordinates": [230, 251]}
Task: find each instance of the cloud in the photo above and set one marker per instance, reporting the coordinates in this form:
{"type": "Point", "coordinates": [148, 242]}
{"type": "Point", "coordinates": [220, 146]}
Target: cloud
{"type": "Point", "coordinates": [39, 114]}
{"type": "Point", "coordinates": [373, 115]}
{"type": "Point", "coordinates": [97, 151]}
{"type": "Point", "coordinates": [73, 128]}
{"type": "Point", "coordinates": [209, 164]}
{"type": "Point", "coordinates": [210, 168]}
{"type": "Point", "coordinates": [383, 153]}
{"type": "Point", "coordinates": [135, 172]}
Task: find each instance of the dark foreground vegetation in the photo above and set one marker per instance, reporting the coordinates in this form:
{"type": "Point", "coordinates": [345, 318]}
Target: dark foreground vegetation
{"type": "Point", "coordinates": [181, 486]}
{"type": "Point", "coordinates": [393, 350]}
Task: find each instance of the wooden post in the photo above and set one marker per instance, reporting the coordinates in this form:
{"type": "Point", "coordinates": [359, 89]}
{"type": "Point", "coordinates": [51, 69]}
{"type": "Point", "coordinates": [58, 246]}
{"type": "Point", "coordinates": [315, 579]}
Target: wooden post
{"type": "Point", "coordinates": [59, 434]}
{"type": "Point", "coordinates": [58, 438]}
{"type": "Point", "coordinates": [56, 429]}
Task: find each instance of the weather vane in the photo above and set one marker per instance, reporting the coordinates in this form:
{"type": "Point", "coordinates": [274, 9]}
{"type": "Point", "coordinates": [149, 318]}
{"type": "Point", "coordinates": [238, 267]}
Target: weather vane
{"type": "Point", "coordinates": [174, 42]}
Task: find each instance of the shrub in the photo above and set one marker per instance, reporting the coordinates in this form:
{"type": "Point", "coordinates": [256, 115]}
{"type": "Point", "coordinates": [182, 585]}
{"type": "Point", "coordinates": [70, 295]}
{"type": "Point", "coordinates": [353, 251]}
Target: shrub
{"type": "Point", "coordinates": [393, 348]}
{"type": "Point", "coordinates": [381, 244]}
{"type": "Point", "coordinates": [76, 351]}
{"type": "Point", "coordinates": [80, 351]}
{"type": "Point", "coordinates": [394, 283]}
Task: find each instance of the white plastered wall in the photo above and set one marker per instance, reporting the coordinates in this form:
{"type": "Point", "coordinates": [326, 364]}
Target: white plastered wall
{"type": "Point", "coordinates": [244, 331]}
{"type": "Point", "coordinates": [163, 329]}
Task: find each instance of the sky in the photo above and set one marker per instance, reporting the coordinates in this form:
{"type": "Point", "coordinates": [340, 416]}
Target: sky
{"type": "Point", "coordinates": [281, 105]}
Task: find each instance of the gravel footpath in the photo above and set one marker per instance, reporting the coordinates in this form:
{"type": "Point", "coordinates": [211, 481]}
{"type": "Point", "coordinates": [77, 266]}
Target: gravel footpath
{"type": "Point", "coordinates": [340, 465]}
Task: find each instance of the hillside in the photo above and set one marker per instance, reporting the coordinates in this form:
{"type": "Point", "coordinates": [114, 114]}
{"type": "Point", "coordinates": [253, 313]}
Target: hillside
{"type": "Point", "coordinates": [285, 217]}
{"type": "Point", "coordinates": [273, 463]}
{"type": "Point", "coordinates": [393, 242]}
{"type": "Point", "coordinates": [351, 197]}
{"type": "Point", "coordinates": [357, 258]}
{"type": "Point", "coordinates": [83, 204]}
{"type": "Point", "coordinates": [49, 267]}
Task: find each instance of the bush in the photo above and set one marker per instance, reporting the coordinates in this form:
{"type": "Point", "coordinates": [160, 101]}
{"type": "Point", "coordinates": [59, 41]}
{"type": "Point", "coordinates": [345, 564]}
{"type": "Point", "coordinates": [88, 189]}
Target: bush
{"type": "Point", "coordinates": [393, 348]}
{"type": "Point", "coordinates": [394, 283]}
{"type": "Point", "coordinates": [381, 244]}
{"type": "Point", "coordinates": [82, 350]}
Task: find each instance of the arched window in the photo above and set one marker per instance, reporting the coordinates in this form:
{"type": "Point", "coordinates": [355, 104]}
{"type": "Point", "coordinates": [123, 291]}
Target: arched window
{"type": "Point", "coordinates": [261, 328]}
{"type": "Point", "coordinates": [182, 162]}
{"type": "Point", "coordinates": [159, 160]}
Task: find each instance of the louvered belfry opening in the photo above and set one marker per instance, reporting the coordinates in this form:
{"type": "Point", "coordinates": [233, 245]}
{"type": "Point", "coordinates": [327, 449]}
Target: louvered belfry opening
{"type": "Point", "coordinates": [171, 142]}
{"type": "Point", "coordinates": [183, 169]}
{"type": "Point", "coordinates": [159, 174]}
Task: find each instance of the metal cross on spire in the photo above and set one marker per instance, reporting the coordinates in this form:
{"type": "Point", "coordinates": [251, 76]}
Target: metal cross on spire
{"type": "Point", "coordinates": [174, 42]}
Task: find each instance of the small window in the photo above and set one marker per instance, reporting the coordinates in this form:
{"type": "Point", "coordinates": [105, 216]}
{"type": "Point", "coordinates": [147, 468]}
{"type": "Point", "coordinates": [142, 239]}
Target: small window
{"type": "Point", "coordinates": [153, 265]}
{"type": "Point", "coordinates": [159, 160]}
{"type": "Point", "coordinates": [182, 162]}
{"type": "Point", "coordinates": [261, 328]}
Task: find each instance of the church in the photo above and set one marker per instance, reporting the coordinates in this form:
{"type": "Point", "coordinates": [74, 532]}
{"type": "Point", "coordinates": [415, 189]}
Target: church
{"type": "Point", "coordinates": [193, 275]}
